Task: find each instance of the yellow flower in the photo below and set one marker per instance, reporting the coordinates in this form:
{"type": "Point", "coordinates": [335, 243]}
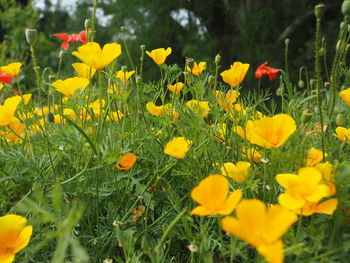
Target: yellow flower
{"type": "Point", "coordinates": [115, 116]}
{"type": "Point", "coordinates": [7, 110]}
{"type": "Point", "coordinates": [177, 86]}
{"type": "Point", "coordinates": [260, 227]}
{"type": "Point", "coordinates": [345, 95]}
{"type": "Point", "coordinates": [197, 68]}
{"type": "Point", "coordinates": [314, 157]}
{"type": "Point", "coordinates": [200, 107]}
{"type": "Point", "coordinates": [326, 207]}
{"type": "Point", "coordinates": [236, 112]}
{"type": "Point", "coordinates": [177, 147]}
{"type": "Point", "coordinates": [14, 130]}
{"type": "Point", "coordinates": [227, 100]}
{"type": "Point", "coordinates": [92, 54]}
{"type": "Point", "coordinates": [68, 87]}
{"type": "Point", "coordinates": [270, 132]}
{"type": "Point", "coordinates": [126, 162]}
{"type": "Point", "coordinates": [97, 105]}
{"type": "Point", "coordinates": [12, 68]}
{"type": "Point", "coordinates": [235, 75]}
{"type": "Point", "coordinates": [306, 186]}
{"type": "Point", "coordinates": [158, 110]}
{"type": "Point", "coordinates": [83, 70]}
{"type": "Point", "coordinates": [251, 154]}
{"type": "Point", "coordinates": [343, 134]}
{"type": "Point", "coordinates": [124, 76]}
{"type": "Point", "coordinates": [159, 55]}
{"type": "Point", "coordinates": [115, 89]}
{"type": "Point", "coordinates": [220, 130]}
{"type": "Point", "coordinates": [212, 195]}
{"type": "Point", "coordinates": [1, 86]}
{"type": "Point", "coordinates": [14, 236]}
{"type": "Point", "coordinates": [327, 170]}
{"type": "Point", "coordinates": [237, 172]}
{"type": "Point", "coordinates": [26, 98]}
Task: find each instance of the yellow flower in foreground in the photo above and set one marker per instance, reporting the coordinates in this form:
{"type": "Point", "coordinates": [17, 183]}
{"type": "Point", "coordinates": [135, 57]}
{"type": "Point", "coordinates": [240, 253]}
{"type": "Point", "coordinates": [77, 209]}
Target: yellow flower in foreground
{"type": "Point", "coordinates": [304, 187]}
{"type": "Point", "coordinates": [14, 236]}
{"type": "Point", "coordinates": [212, 195]}
{"type": "Point", "coordinates": [345, 95]}
{"type": "Point", "coordinates": [197, 68]}
{"type": "Point", "coordinates": [92, 54]}
{"type": "Point", "coordinates": [177, 147]}
{"type": "Point", "coordinates": [261, 227]}
{"type": "Point", "coordinates": [176, 87]}
{"type": "Point", "coordinates": [235, 75]}
{"type": "Point", "coordinates": [159, 55]}
{"type": "Point", "coordinates": [12, 68]}
{"type": "Point", "coordinates": [68, 87]}
{"type": "Point", "coordinates": [83, 70]}
{"type": "Point", "coordinates": [124, 76]}
{"type": "Point", "coordinates": [126, 162]}
{"type": "Point", "coordinates": [237, 172]}
{"type": "Point", "coordinates": [314, 157]}
{"type": "Point", "coordinates": [270, 132]}
{"type": "Point", "coordinates": [326, 207]}
{"type": "Point", "coordinates": [343, 134]}
{"type": "Point", "coordinates": [200, 107]}
{"type": "Point", "coordinates": [7, 110]}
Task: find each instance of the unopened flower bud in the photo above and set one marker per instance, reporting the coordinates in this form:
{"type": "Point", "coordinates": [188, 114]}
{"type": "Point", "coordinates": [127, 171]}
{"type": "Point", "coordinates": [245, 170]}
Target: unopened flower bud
{"type": "Point", "coordinates": [87, 24]}
{"type": "Point", "coordinates": [62, 54]}
{"type": "Point", "coordinates": [217, 59]}
{"type": "Point", "coordinates": [124, 68]}
{"type": "Point", "coordinates": [279, 91]}
{"type": "Point", "coordinates": [345, 8]}
{"type": "Point", "coordinates": [319, 10]}
{"type": "Point", "coordinates": [211, 80]}
{"type": "Point", "coordinates": [286, 41]}
{"type": "Point", "coordinates": [190, 62]}
{"type": "Point", "coordinates": [143, 47]}
{"type": "Point", "coordinates": [340, 120]}
{"type": "Point", "coordinates": [301, 84]}
{"type": "Point", "coordinates": [122, 28]}
{"type": "Point", "coordinates": [138, 80]}
{"type": "Point", "coordinates": [306, 116]}
{"type": "Point", "coordinates": [31, 36]}
{"type": "Point", "coordinates": [343, 25]}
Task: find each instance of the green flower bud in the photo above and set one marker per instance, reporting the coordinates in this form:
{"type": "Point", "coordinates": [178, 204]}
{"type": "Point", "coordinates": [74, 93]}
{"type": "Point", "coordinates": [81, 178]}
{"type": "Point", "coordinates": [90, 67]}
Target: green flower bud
{"type": "Point", "coordinates": [31, 36]}
{"type": "Point", "coordinates": [306, 116]}
{"type": "Point", "coordinates": [138, 80]}
{"type": "Point", "coordinates": [62, 54]}
{"type": "Point", "coordinates": [124, 68]}
{"type": "Point", "coordinates": [122, 28]}
{"type": "Point", "coordinates": [87, 24]}
{"type": "Point", "coordinates": [345, 8]}
{"type": "Point", "coordinates": [190, 62]}
{"type": "Point", "coordinates": [217, 59]}
{"type": "Point", "coordinates": [211, 80]}
{"type": "Point", "coordinates": [286, 41]}
{"type": "Point", "coordinates": [340, 120]}
{"type": "Point", "coordinates": [279, 91]}
{"type": "Point", "coordinates": [143, 47]}
{"type": "Point", "coordinates": [301, 84]}
{"type": "Point", "coordinates": [319, 10]}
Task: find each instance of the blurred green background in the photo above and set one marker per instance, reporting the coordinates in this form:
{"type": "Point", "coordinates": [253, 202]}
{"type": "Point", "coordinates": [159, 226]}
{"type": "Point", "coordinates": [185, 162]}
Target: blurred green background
{"type": "Point", "coordinates": [251, 31]}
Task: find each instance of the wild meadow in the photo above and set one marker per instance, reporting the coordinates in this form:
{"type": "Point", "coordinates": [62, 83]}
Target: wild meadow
{"type": "Point", "coordinates": [99, 165]}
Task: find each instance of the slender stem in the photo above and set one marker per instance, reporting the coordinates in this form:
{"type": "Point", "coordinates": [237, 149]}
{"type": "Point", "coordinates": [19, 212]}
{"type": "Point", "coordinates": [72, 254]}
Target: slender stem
{"type": "Point", "coordinates": [93, 20]}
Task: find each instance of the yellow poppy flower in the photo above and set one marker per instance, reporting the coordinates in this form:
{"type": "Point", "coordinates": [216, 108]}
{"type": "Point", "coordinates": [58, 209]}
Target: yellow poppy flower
{"type": "Point", "coordinates": [270, 132]}
{"type": "Point", "coordinates": [237, 172]}
{"type": "Point", "coordinates": [252, 154]}
{"type": "Point", "coordinates": [12, 68]}
{"type": "Point", "coordinates": [235, 75]}
{"type": "Point", "coordinates": [212, 195]}
{"type": "Point", "coordinates": [158, 110]}
{"type": "Point", "coordinates": [126, 162]}
{"type": "Point", "coordinates": [97, 105]}
{"type": "Point", "coordinates": [261, 227]}
{"type": "Point", "coordinates": [345, 95]}
{"type": "Point", "coordinates": [7, 110]}
{"type": "Point", "coordinates": [197, 68]}
{"type": "Point", "coordinates": [227, 100]}
{"type": "Point", "coordinates": [159, 55]}
{"type": "Point", "coordinates": [92, 54]}
{"type": "Point", "coordinates": [115, 115]}
{"type": "Point", "coordinates": [26, 98]}
{"type": "Point", "coordinates": [14, 236]}
{"type": "Point", "coordinates": [200, 107]}
{"type": "Point", "coordinates": [177, 147]}
{"type": "Point", "coordinates": [314, 157]}
{"type": "Point", "coordinates": [68, 87]}
{"type": "Point", "coordinates": [343, 134]}
{"type": "Point", "coordinates": [83, 70]}
{"type": "Point", "coordinates": [326, 207]}
{"type": "Point", "coordinates": [124, 76]}
{"type": "Point", "coordinates": [306, 186]}
{"type": "Point", "coordinates": [13, 131]}
{"type": "Point", "coordinates": [177, 86]}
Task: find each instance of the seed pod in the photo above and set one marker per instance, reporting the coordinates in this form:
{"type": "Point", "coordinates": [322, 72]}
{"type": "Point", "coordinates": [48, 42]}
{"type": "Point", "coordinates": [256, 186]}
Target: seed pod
{"type": "Point", "coordinates": [319, 10]}
{"type": "Point", "coordinates": [31, 36]}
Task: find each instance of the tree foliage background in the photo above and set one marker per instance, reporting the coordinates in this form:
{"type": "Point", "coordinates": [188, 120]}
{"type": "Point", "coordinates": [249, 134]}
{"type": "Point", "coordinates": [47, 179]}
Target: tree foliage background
{"type": "Point", "coordinates": [251, 31]}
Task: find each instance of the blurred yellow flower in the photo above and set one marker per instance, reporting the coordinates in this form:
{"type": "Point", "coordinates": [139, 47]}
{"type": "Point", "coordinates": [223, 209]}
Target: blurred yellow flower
{"type": "Point", "coordinates": [159, 55]}
{"type": "Point", "coordinates": [83, 70]}
{"type": "Point", "coordinates": [97, 105]}
{"type": "Point", "coordinates": [14, 236]}
{"type": "Point", "coordinates": [115, 116]}
{"type": "Point", "coordinates": [227, 100]}
{"type": "Point", "coordinates": [314, 157]}
{"type": "Point", "coordinates": [213, 197]}
{"type": "Point", "coordinates": [92, 54]}
{"type": "Point", "coordinates": [235, 75]}
{"type": "Point", "coordinates": [197, 68]}
{"type": "Point", "coordinates": [1, 86]}
{"type": "Point", "coordinates": [345, 95]}
{"type": "Point", "coordinates": [261, 227]}
{"type": "Point", "coordinates": [124, 76]}
{"type": "Point", "coordinates": [158, 110]}
{"type": "Point", "coordinates": [68, 87]}
{"type": "Point", "coordinates": [12, 68]}
{"type": "Point", "coordinates": [237, 172]}
{"type": "Point", "coordinates": [177, 147]}
{"type": "Point", "coordinates": [126, 162]}
{"type": "Point", "coordinates": [343, 134]}
{"type": "Point", "coordinates": [7, 110]}
{"type": "Point", "coordinates": [200, 107]}
{"type": "Point", "coordinates": [326, 207]}
{"type": "Point", "coordinates": [270, 132]}
{"type": "Point", "coordinates": [176, 87]}
{"type": "Point", "coordinates": [251, 154]}
{"type": "Point", "coordinates": [14, 130]}
{"type": "Point", "coordinates": [306, 186]}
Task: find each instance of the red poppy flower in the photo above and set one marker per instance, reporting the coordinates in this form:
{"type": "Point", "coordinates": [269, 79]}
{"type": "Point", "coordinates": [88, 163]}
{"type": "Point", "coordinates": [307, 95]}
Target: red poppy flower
{"type": "Point", "coordinates": [265, 70]}
{"type": "Point", "coordinates": [5, 78]}
{"type": "Point", "coordinates": [71, 38]}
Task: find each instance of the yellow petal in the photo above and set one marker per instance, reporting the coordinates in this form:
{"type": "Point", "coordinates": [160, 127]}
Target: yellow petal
{"type": "Point", "coordinates": [231, 202]}
{"type": "Point", "coordinates": [288, 201]}
{"type": "Point", "coordinates": [273, 253]}
{"type": "Point", "coordinates": [201, 211]}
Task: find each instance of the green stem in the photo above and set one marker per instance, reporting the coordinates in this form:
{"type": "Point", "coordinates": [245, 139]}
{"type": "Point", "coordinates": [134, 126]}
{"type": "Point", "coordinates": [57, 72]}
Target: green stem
{"type": "Point", "coordinates": [93, 20]}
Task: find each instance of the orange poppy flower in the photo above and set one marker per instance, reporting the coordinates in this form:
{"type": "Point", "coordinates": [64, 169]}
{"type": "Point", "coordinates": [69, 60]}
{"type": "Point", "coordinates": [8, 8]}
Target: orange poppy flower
{"type": "Point", "coordinates": [126, 162]}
